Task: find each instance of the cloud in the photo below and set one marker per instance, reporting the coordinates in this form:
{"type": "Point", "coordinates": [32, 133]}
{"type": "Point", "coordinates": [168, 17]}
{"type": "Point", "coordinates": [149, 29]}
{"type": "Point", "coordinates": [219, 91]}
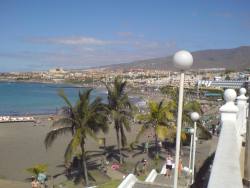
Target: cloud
{"type": "Point", "coordinates": [79, 52]}
{"type": "Point", "coordinates": [80, 40]}
{"type": "Point", "coordinates": [91, 57]}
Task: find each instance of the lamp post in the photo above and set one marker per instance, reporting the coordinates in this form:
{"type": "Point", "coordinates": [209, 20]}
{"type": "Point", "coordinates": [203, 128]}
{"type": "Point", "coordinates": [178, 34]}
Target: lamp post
{"type": "Point", "coordinates": [191, 131]}
{"type": "Point", "coordinates": [183, 60]}
{"type": "Point", "coordinates": [195, 117]}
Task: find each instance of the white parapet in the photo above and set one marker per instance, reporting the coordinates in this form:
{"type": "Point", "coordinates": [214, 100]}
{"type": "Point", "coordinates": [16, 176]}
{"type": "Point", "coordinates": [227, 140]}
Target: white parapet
{"type": "Point", "coordinates": [242, 114]}
{"type": "Point", "coordinates": [229, 110]}
{"type": "Point", "coordinates": [152, 175]}
{"type": "Point", "coordinates": [128, 182]}
{"type": "Point", "coordinates": [226, 166]}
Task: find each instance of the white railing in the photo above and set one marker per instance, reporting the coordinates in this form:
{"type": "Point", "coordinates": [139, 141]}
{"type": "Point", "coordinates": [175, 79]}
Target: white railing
{"type": "Point", "coordinates": [128, 182]}
{"type": "Point", "coordinates": [151, 177]}
{"type": "Point", "coordinates": [226, 170]}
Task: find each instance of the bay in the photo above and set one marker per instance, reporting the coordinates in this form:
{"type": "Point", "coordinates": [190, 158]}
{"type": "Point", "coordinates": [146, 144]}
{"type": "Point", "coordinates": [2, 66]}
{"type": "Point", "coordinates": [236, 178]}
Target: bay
{"type": "Point", "coordinates": [18, 98]}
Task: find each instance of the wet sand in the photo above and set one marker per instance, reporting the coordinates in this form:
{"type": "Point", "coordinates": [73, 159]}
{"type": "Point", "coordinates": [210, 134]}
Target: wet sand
{"type": "Point", "coordinates": [22, 146]}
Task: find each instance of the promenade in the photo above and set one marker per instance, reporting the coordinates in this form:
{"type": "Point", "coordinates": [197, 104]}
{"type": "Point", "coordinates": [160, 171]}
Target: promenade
{"type": "Point", "coordinates": [205, 148]}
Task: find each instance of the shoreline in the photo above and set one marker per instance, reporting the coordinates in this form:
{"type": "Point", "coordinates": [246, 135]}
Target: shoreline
{"type": "Point", "coordinates": [73, 85]}
{"type": "Point", "coordinates": [30, 114]}
{"type": "Point", "coordinates": [43, 82]}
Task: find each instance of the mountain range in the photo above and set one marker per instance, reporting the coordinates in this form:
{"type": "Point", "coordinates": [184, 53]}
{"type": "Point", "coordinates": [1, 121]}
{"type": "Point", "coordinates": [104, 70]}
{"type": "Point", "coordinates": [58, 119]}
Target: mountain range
{"type": "Point", "coordinates": [236, 59]}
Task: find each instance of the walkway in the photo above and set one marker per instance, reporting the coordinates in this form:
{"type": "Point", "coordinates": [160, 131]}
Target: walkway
{"type": "Point", "coordinates": [161, 181]}
{"type": "Point", "coordinates": [204, 149]}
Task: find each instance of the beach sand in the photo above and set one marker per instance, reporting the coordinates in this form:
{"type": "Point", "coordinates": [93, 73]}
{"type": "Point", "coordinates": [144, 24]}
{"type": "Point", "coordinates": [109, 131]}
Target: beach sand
{"type": "Point", "coordinates": [22, 146]}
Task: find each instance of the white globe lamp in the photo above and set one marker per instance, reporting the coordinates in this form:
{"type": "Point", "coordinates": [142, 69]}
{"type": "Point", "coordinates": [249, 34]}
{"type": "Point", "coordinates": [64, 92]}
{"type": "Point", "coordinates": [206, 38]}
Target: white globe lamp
{"type": "Point", "coordinates": [191, 131]}
{"type": "Point", "coordinates": [195, 116]}
{"type": "Point", "coordinates": [183, 60]}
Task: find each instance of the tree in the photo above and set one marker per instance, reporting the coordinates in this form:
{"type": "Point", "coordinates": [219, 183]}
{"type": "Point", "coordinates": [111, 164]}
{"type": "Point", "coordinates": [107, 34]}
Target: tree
{"type": "Point", "coordinates": [188, 108]}
{"type": "Point", "coordinates": [39, 168]}
{"type": "Point", "coordinates": [84, 119]}
{"type": "Point", "coordinates": [159, 118]}
{"type": "Point", "coordinates": [120, 109]}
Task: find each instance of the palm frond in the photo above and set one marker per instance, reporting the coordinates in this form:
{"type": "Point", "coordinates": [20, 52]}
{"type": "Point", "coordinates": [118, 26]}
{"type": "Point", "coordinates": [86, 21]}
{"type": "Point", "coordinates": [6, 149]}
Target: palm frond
{"type": "Point", "coordinates": [62, 122]}
{"type": "Point", "coordinates": [143, 117]}
{"type": "Point", "coordinates": [91, 133]}
{"type": "Point", "coordinates": [71, 148]}
{"type": "Point", "coordinates": [63, 96]}
{"type": "Point", "coordinates": [141, 132]}
{"type": "Point", "coordinates": [161, 132]}
{"type": "Point", "coordinates": [52, 135]}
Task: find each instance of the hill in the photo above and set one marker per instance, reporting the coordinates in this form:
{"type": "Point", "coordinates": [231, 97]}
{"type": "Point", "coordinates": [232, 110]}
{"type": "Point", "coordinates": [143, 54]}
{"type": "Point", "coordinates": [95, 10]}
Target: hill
{"type": "Point", "coordinates": [234, 59]}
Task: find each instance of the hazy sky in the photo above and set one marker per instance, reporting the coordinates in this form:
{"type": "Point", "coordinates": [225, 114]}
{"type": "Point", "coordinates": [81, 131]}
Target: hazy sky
{"type": "Point", "coordinates": [38, 35]}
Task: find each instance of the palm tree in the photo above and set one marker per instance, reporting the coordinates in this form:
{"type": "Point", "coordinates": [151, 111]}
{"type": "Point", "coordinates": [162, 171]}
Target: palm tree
{"type": "Point", "coordinates": [188, 106]}
{"type": "Point", "coordinates": [84, 119]}
{"type": "Point", "coordinates": [160, 118]}
{"type": "Point", "coordinates": [120, 111]}
{"type": "Point", "coordinates": [38, 168]}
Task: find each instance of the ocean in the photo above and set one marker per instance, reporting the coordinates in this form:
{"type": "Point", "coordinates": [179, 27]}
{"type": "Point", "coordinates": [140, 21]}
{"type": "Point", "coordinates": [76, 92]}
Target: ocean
{"type": "Point", "coordinates": [18, 98]}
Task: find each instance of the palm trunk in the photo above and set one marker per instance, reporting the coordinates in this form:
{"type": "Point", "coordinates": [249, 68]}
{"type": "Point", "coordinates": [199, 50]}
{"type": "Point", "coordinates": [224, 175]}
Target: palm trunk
{"type": "Point", "coordinates": [118, 143]}
{"type": "Point", "coordinates": [156, 144]}
{"type": "Point", "coordinates": [84, 164]}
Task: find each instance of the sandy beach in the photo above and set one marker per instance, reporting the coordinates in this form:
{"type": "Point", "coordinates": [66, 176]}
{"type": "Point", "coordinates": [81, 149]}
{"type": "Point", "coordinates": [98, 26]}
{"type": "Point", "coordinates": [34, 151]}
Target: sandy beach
{"type": "Point", "coordinates": [22, 146]}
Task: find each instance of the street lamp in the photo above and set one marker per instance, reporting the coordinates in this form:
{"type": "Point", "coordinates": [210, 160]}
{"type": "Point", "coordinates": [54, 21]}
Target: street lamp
{"type": "Point", "coordinates": [195, 117]}
{"type": "Point", "coordinates": [191, 132]}
{"type": "Point", "coordinates": [183, 60]}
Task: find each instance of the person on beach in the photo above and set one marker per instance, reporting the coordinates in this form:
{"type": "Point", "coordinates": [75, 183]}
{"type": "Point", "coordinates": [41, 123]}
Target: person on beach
{"type": "Point", "coordinates": [144, 166]}
{"type": "Point", "coordinates": [169, 164]}
{"type": "Point", "coordinates": [34, 183]}
{"type": "Point", "coordinates": [146, 147]}
{"type": "Point", "coordinates": [180, 167]}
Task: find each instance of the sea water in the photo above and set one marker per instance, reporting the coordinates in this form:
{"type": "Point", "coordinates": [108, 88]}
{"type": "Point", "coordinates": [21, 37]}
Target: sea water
{"type": "Point", "coordinates": [17, 98]}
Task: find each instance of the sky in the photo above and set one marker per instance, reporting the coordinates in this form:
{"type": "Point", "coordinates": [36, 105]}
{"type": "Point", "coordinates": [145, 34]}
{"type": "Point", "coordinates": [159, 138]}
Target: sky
{"type": "Point", "coordinates": [39, 35]}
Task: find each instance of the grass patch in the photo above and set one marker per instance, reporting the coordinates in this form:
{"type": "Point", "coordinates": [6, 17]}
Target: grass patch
{"type": "Point", "coordinates": [100, 178]}
{"type": "Point", "coordinates": [110, 184]}
{"type": "Point", "coordinates": [127, 168]}
{"type": "Point", "coordinates": [142, 177]}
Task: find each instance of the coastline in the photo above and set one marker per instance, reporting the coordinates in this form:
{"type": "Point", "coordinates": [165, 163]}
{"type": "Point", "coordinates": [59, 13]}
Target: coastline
{"type": "Point", "coordinates": [43, 82]}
